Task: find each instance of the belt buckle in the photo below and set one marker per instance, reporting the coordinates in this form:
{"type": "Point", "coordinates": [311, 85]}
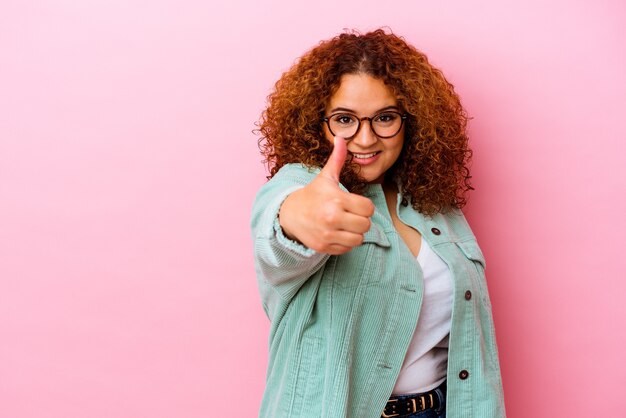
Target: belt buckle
{"type": "Point", "coordinates": [412, 404]}
{"type": "Point", "coordinates": [422, 406]}
{"type": "Point", "coordinates": [384, 415]}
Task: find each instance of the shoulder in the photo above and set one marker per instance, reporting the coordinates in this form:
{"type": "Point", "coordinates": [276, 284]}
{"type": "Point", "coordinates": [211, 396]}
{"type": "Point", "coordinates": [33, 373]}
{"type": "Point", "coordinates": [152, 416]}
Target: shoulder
{"type": "Point", "coordinates": [270, 196]}
{"type": "Point", "coordinates": [455, 220]}
{"type": "Point", "coordinates": [289, 177]}
{"type": "Point", "coordinates": [295, 173]}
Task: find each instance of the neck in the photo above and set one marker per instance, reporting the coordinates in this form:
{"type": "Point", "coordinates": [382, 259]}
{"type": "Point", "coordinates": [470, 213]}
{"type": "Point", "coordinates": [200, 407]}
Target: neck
{"type": "Point", "coordinates": [389, 186]}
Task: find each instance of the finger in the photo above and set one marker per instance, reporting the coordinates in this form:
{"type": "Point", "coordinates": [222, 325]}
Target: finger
{"type": "Point", "coordinates": [346, 239]}
{"type": "Point", "coordinates": [356, 224]}
{"type": "Point", "coordinates": [336, 160]}
{"type": "Point", "coordinates": [335, 249]}
{"type": "Point", "coordinates": [358, 205]}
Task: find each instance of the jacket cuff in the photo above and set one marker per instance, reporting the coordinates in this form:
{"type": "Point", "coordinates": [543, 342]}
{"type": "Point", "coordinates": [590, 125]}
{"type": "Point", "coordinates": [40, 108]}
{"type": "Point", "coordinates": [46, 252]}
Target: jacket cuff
{"type": "Point", "coordinates": [289, 244]}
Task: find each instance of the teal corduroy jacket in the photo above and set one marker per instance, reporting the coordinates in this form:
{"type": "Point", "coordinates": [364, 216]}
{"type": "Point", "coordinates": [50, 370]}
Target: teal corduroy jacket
{"type": "Point", "coordinates": [341, 325]}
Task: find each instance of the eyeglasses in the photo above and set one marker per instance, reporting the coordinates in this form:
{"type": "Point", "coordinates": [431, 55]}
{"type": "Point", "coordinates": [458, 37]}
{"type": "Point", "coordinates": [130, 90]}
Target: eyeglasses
{"type": "Point", "coordinates": [385, 124]}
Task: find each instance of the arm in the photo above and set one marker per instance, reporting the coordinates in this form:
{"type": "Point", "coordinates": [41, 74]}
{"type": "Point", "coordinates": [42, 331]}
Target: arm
{"type": "Point", "coordinates": [300, 217]}
{"type": "Point", "coordinates": [280, 261]}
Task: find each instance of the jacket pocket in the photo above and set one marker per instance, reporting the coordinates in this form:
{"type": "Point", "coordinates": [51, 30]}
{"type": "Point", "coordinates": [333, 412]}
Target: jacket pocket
{"type": "Point", "coordinates": [363, 265]}
{"type": "Point", "coordinates": [472, 251]}
{"type": "Point", "coordinates": [474, 255]}
{"type": "Point", "coordinates": [377, 236]}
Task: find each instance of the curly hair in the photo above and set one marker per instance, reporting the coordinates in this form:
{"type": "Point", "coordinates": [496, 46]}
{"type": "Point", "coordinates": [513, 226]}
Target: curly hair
{"type": "Point", "coordinates": [432, 169]}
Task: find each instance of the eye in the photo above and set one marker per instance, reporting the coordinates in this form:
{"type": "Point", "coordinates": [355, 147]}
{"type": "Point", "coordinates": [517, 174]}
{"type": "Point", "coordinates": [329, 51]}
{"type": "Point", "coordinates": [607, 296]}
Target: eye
{"type": "Point", "coordinates": [343, 119]}
{"type": "Point", "coordinates": [386, 118]}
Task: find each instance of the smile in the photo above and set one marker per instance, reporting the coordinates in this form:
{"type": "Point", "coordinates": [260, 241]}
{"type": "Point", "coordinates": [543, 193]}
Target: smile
{"type": "Point", "coordinates": [364, 156]}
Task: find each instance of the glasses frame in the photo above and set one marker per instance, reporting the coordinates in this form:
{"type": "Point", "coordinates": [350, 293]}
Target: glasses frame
{"type": "Point", "coordinates": [403, 117]}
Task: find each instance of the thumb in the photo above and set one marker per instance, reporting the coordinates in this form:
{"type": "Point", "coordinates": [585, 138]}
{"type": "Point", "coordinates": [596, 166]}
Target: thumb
{"type": "Point", "coordinates": [336, 160]}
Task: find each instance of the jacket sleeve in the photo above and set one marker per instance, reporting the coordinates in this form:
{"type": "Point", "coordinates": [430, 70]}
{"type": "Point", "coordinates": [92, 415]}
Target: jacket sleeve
{"type": "Point", "coordinates": [281, 263]}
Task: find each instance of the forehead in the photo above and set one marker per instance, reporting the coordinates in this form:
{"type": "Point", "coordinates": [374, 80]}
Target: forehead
{"type": "Point", "coordinates": [362, 93]}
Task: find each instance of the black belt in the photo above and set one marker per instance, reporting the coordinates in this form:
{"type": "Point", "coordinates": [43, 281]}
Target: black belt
{"type": "Point", "coordinates": [402, 406]}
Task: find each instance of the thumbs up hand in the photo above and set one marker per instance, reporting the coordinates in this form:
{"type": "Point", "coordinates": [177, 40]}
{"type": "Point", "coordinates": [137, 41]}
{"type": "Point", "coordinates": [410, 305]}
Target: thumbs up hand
{"type": "Point", "coordinates": [322, 216]}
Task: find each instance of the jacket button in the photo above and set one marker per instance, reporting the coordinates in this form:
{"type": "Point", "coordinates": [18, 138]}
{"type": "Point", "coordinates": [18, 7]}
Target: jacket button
{"type": "Point", "coordinates": [435, 231]}
{"type": "Point", "coordinates": [468, 295]}
{"type": "Point", "coordinates": [463, 375]}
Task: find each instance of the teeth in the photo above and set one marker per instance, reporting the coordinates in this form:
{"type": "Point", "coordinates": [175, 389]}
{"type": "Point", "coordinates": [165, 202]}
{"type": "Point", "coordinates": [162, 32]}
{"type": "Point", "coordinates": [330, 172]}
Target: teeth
{"type": "Point", "coordinates": [364, 156]}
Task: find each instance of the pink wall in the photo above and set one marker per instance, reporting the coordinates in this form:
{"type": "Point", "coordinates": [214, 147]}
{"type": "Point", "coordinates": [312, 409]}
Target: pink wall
{"type": "Point", "coordinates": [127, 172]}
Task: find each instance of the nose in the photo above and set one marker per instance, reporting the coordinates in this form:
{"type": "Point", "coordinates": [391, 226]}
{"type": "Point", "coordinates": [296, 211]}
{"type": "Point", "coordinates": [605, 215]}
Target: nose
{"type": "Point", "coordinates": [365, 137]}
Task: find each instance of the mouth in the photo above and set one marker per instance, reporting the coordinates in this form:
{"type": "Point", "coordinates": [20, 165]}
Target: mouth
{"type": "Point", "coordinates": [364, 159]}
{"type": "Point", "coordinates": [364, 156]}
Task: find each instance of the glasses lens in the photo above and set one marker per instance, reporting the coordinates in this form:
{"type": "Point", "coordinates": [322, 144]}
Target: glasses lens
{"type": "Point", "coordinates": [387, 124]}
{"type": "Point", "coordinates": [343, 124]}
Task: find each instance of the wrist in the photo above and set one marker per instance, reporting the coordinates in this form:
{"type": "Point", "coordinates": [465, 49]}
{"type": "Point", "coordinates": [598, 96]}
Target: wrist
{"type": "Point", "coordinates": [283, 221]}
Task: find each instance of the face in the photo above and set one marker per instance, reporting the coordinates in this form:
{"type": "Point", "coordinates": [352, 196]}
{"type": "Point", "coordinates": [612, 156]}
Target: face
{"type": "Point", "coordinates": [365, 96]}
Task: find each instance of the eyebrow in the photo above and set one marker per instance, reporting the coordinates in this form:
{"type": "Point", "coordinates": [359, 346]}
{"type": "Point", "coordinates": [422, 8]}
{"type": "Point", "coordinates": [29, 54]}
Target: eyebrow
{"type": "Point", "coordinates": [345, 109]}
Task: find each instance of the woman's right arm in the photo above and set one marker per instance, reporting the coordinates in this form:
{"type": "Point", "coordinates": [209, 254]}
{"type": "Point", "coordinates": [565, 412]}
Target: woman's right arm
{"type": "Point", "coordinates": [300, 217]}
{"type": "Point", "coordinates": [281, 261]}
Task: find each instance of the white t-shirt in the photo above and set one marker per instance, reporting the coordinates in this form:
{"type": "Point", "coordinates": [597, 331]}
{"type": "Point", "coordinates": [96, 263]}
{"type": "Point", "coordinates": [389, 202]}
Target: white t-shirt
{"type": "Point", "coordinates": [426, 361]}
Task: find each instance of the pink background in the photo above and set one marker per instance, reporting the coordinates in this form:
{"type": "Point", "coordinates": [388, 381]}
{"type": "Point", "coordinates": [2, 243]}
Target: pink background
{"type": "Point", "coordinates": [128, 169]}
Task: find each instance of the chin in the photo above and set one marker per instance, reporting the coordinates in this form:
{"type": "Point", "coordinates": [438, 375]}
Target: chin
{"type": "Point", "coordinates": [373, 178]}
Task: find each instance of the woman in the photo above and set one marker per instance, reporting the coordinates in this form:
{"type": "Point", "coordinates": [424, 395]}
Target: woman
{"type": "Point", "coordinates": [368, 271]}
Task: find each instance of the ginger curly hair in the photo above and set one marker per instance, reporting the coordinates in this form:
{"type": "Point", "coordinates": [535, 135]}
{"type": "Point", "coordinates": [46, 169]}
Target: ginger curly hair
{"type": "Point", "coordinates": [432, 169]}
